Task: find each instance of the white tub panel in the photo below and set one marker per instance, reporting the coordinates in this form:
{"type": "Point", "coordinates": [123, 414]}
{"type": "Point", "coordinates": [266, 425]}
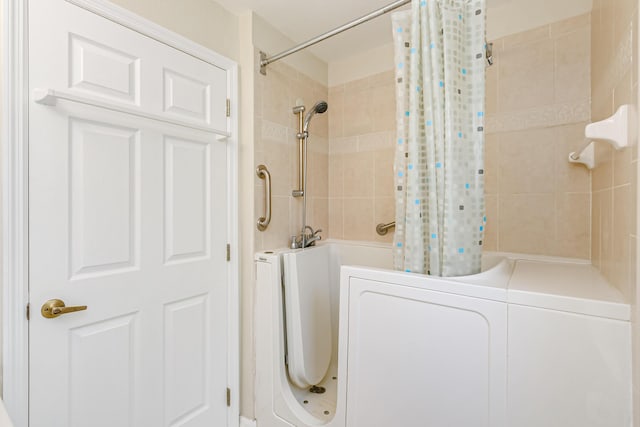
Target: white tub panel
{"type": "Point", "coordinates": [573, 287]}
{"type": "Point", "coordinates": [419, 357]}
{"type": "Point", "coordinates": [307, 303]}
{"type": "Point", "coordinates": [568, 370]}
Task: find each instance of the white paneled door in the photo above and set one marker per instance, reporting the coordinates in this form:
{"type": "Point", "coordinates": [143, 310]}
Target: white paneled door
{"type": "Point", "coordinates": [128, 217]}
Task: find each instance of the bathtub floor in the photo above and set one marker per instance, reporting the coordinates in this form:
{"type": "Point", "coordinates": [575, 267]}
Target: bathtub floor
{"type": "Point", "coordinates": [321, 406]}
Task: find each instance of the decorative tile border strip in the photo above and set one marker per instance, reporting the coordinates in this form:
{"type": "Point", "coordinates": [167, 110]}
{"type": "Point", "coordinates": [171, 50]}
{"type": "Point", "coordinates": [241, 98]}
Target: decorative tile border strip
{"type": "Point", "coordinates": [547, 116]}
{"type": "Point", "coordinates": [274, 132]}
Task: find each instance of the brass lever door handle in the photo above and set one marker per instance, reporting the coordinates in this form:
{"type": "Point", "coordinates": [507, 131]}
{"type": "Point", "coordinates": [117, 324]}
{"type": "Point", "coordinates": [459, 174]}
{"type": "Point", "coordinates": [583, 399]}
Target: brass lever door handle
{"type": "Point", "coordinates": [55, 307]}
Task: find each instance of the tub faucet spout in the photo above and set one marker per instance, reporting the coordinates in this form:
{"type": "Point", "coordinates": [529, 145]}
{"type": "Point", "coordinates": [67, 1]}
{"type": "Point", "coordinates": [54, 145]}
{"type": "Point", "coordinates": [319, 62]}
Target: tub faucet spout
{"type": "Point", "coordinates": [309, 239]}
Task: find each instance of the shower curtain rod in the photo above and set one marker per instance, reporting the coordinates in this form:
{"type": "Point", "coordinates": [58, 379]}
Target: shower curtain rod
{"type": "Point", "coordinates": [264, 60]}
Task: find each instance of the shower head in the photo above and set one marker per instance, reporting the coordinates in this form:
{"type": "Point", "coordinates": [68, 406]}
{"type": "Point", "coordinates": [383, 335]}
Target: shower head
{"type": "Point", "coordinates": [320, 108]}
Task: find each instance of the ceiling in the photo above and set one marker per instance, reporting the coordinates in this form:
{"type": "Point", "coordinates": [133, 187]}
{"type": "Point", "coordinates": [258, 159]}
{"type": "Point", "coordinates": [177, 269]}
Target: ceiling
{"type": "Point", "coordinates": [301, 20]}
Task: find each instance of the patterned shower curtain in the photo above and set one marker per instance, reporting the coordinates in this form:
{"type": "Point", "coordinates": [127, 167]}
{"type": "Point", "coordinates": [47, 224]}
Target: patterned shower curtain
{"type": "Point", "coordinates": [440, 77]}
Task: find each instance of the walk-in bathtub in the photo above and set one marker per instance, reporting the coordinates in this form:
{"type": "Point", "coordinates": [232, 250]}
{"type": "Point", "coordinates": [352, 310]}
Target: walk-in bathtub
{"type": "Point", "coordinates": [527, 342]}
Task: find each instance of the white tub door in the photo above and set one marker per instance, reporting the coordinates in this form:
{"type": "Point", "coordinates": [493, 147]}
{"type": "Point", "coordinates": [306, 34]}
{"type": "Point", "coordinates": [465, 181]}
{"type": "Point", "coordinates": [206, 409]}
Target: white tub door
{"type": "Point", "coordinates": [418, 357]}
{"type": "Point", "coordinates": [128, 217]}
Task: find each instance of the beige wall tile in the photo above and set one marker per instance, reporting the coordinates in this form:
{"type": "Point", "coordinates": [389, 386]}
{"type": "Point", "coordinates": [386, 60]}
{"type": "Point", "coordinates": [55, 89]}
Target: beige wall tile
{"type": "Point", "coordinates": [516, 40]}
{"type": "Point", "coordinates": [634, 196]}
{"type": "Point", "coordinates": [571, 24]}
{"type": "Point", "coordinates": [572, 66]}
{"type": "Point", "coordinates": [634, 49]}
{"type": "Point", "coordinates": [621, 167]}
{"type": "Point", "coordinates": [606, 232]}
{"type": "Point", "coordinates": [614, 198]}
{"type": "Point", "coordinates": [383, 174]}
{"type": "Point", "coordinates": [491, 230]}
{"type": "Point", "coordinates": [358, 117]}
{"type": "Point", "coordinates": [336, 175]}
{"type": "Point", "coordinates": [622, 92]}
{"type": "Point", "coordinates": [570, 177]}
{"type": "Point", "coordinates": [604, 44]}
{"type": "Point", "coordinates": [295, 216]}
{"type": "Point", "coordinates": [491, 162]}
{"type": "Point", "coordinates": [343, 145]}
{"type": "Point", "coordinates": [526, 162]}
{"type": "Point", "coordinates": [358, 219]}
{"type": "Point", "coordinates": [376, 141]}
{"type": "Point", "coordinates": [336, 111]}
{"type": "Point", "coordinates": [278, 161]}
{"type": "Point", "coordinates": [359, 84]}
{"type": "Point", "coordinates": [601, 101]}
{"type": "Point", "coordinates": [573, 225]}
{"type": "Point", "coordinates": [526, 223]}
{"type": "Point", "coordinates": [596, 229]}
{"type": "Point", "coordinates": [336, 215]}
{"type": "Point", "coordinates": [317, 170]}
{"type": "Point", "coordinates": [620, 239]}
{"type": "Point", "coordinates": [491, 89]}
{"type": "Point", "coordinates": [358, 179]}
{"type": "Point", "coordinates": [602, 174]}
{"type": "Point", "coordinates": [623, 11]}
{"type": "Point", "coordinates": [319, 215]}
{"type": "Point", "coordinates": [384, 78]}
{"type": "Point", "coordinates": [526, 76]}
{"type": "Point", "coordinates": [383, 107]}
{"type": "Point", "coordinates": [277, 147]}
{"type": "Point", "coordinates": [319, 125]}
{"type": "Point", "coordinates": [276, 105]}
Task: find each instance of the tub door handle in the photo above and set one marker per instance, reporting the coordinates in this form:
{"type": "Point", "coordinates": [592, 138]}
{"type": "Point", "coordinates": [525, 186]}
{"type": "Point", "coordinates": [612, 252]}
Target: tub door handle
{"type": "Point", "coordinates": [263, 221]}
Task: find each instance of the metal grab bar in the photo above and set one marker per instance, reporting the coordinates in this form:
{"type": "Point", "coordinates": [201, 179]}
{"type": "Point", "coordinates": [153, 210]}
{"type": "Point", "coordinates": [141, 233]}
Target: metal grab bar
{"type": "Point", "coordinates": [263, 221]}
{"type": "Point", "coordinates": [383, 228]}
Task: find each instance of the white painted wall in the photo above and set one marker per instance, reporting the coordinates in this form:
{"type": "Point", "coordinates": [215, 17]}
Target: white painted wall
{"type": "Point", "coordinates": [248, 62]}
{"type": "Point", "coordinates": [271, 41]}
{"type": "Point", "coordinates": [1, 237]}
{"type": "Point", "coordinates": [203, 21]}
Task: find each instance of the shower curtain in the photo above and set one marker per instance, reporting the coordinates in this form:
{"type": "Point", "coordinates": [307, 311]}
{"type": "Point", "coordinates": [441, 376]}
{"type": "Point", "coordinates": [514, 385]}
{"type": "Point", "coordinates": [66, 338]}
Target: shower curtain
{"type": "Point", "coordinates": [440, 76]}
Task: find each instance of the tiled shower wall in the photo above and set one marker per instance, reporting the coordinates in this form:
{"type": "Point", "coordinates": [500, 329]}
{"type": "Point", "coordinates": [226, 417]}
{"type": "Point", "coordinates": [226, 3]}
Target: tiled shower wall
{"type": "Point", "coordinates": [614, 83]}
{"type": "Point", "coordinates": [615, 79]}
{"type": "Point", "coordinates": [538, 95]}
{"type": "Point", "coordinates": [361, 152]}
{"type": "Point", "coordinates": [276, 146]}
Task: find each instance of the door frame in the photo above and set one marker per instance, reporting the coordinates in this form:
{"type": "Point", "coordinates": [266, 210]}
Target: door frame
{"type": "Point", "coordinates": [15, 196]}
